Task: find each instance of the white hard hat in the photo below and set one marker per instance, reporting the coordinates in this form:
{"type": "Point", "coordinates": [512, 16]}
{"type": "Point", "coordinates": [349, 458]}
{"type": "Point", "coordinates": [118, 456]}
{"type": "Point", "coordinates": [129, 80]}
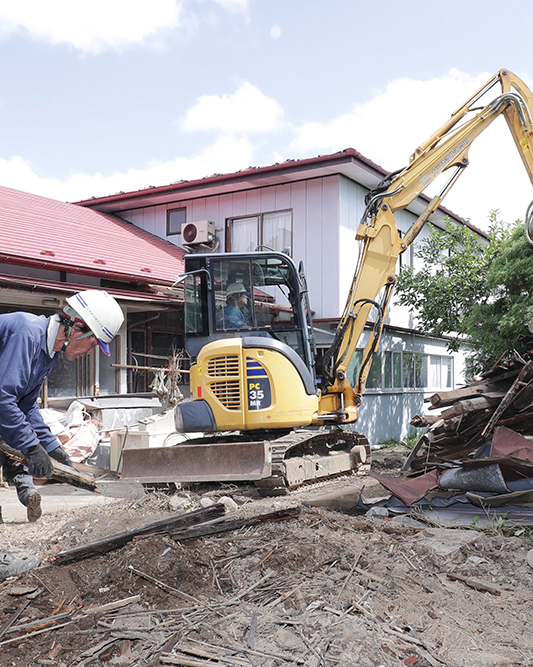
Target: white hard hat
{"type": "Point", "coordinates": [236, 288]}
{"type": "Point", "coordinates": [100, 312]}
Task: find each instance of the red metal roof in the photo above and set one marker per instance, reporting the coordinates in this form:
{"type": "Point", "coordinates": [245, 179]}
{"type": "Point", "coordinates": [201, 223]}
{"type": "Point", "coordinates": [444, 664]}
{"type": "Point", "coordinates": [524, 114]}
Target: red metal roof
{"type": "Point", "coordinates": [46, 233]}
{"type": "Point", "coordinates": [279, 167]}
{"type": "Point", "coordinates": [252, 177]}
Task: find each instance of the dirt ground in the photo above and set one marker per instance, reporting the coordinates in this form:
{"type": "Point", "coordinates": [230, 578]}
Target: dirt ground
{"type": "Point", "coordinates": [323, 589]}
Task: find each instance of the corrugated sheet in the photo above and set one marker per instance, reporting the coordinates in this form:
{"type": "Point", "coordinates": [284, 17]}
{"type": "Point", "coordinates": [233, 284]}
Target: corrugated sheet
{"type": "Point", "coordinates": [50, 234]}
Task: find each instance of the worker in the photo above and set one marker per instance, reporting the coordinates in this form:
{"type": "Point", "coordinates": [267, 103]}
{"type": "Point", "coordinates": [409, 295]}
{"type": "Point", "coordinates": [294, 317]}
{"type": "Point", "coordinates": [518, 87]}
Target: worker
{"type": "Point", "coordinates": [29, 350]}
{"type": "Point", "coordinates": [236, 301]}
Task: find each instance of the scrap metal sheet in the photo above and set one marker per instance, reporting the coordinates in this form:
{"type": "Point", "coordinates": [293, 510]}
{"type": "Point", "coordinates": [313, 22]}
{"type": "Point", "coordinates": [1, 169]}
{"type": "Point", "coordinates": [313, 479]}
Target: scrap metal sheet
{"type": "Point", "coordinates": [411, 490]}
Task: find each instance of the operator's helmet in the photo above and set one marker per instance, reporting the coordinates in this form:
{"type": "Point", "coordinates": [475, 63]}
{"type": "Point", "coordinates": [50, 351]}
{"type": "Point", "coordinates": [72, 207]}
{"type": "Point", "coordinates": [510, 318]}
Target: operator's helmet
{"type": "Point", "coordinates": [237, 288]}
{"type": "Point", "coordinates": [99, 312]}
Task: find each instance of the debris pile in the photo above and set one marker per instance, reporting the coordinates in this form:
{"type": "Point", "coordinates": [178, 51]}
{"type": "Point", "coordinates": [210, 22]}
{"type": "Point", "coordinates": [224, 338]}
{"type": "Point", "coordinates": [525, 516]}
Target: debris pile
{"type": "Point", "coordinates": [477, 453]}
{"type": "Point", "coordinates": [300, 586]}
{"type": "Point", "coordinates": [503, 396]}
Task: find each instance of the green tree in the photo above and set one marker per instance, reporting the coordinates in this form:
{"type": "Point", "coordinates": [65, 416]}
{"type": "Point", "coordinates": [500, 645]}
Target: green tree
{"type": "Point", "coordinates": [480, 294]}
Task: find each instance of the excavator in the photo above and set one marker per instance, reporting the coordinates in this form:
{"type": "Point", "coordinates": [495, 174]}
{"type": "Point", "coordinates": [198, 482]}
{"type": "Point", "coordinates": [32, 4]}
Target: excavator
{"type": "Point", "coordinates": [265, 410]}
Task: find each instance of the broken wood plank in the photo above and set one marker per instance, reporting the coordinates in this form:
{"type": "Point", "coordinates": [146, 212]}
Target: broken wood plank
{"type": "Point", "coordinates": [62, 473]}
{"type": "Point", "coordinates": [470, 405]}
{"type": "Point", "coordinates": [444, 398]}
{"type": "Point", "coordinates": [234, 524]}
{"type": "Point", "coordinates": [33, 634]}
{"type": "Point", "coordinates": [111, 606]}
{"type": "Point", "coordinates": [419, 421]}
{"type": "Point", "coordinates": [477, 585]}
{"type": "Point", "coordinates": [9, 623]}
{"type": "Point", "coordinates": [525, 375]}
{"type": "Point", "coordinates": [163, 586]}
{"type": "Point", "coordinates": [107, 544]}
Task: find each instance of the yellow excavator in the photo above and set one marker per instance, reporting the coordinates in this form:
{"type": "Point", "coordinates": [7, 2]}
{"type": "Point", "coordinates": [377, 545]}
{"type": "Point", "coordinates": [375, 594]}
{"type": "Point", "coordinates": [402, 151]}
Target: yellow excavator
{"type": "Point", "coordinates": [265, 412]}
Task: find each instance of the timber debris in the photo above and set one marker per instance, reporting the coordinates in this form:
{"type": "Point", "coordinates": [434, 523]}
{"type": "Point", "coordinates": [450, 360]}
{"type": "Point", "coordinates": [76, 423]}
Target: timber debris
{"type": "Point", "coordinates": [502, 397]}
{"type": "Point", "coordinates": [62, 473]}
{"type": "Point", "coordinates": [477, 454]}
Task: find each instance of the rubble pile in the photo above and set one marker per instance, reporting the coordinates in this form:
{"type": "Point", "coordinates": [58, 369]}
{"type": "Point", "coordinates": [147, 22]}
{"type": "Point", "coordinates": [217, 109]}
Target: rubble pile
{"type": "Point", "coordinates": [503, 396]}
{"type": "Point", "coordinates": [476, 454]}
{"type": "Point", "coordinates": [303, 586]}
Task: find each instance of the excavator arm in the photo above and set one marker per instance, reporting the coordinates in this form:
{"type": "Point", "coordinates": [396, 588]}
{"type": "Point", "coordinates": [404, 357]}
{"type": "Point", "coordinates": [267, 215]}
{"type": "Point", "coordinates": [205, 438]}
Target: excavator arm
{"type": "Point", "coordinates": [381, 242]}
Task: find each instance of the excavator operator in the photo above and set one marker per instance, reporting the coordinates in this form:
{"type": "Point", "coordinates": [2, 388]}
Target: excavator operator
{"type": "Point", "coordinates": [236, 303]}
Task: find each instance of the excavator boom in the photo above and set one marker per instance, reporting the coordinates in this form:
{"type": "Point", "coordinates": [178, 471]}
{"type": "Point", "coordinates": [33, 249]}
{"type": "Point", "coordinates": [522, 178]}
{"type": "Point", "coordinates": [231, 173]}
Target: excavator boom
{"type": "Point", "coordinates": [381, 243]}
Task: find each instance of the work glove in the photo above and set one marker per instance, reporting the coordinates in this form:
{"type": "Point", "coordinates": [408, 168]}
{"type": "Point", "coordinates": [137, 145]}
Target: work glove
{"type": "Point", "coordinates": [61, 455]}
{"type": "Point", "coordinates": [38, 462]}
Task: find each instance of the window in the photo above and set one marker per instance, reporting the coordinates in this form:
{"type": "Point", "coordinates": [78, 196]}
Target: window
{"type": "Point", "coordinates": [271, 230]}
{"type": "Point", "coordinates": [421, 370]}
{"type": "Point", "coordinates": [175, 219]}
{"type": "Point", "coordinates": [407, 370]}
{"type": "Point", "coordinates": [447, 371]}
{"type": "Point", "coordinates": [393, 370]}
{"type": "Point", "coordinates": [374, 376]}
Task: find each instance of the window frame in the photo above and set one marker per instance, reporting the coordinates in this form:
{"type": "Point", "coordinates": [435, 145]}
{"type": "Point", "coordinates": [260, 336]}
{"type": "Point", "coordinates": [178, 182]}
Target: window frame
{"type": "Point", "coordinates": [411, 366]}
{"type": "Point", "coordinates": [169, 213]}
{"type": "Point", "coordinates": [260, 229]}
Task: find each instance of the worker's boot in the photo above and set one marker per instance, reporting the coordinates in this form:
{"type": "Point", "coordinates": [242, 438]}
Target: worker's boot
{"type": "Point", "coordinates": [33, 507]}
{"type": "Point", "coordinates": [27, 493]}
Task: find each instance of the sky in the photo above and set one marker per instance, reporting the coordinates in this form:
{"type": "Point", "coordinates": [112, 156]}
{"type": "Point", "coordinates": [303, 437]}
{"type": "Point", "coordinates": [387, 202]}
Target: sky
{"type": "Point", "coordinates": [106, 96]}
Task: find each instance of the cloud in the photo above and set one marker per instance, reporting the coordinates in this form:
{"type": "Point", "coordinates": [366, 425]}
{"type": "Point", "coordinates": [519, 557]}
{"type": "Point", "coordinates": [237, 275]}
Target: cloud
{"type": "Point", "coordinates": [248, 110]}
{"type": "Point", "coordinates": [386, 128]}
{"type": "Point", "coordinates": [389, 126]}
{"type": "Point", "coordinates": [91, 26]}
{"type": "Point", "coordinates": [234, 6]}
{"type": "Point", "coordinates": [226, 155]}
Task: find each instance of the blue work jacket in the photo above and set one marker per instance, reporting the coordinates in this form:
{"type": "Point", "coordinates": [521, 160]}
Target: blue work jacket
{"type": "Point", "coordinates": [233, 317]}
{"type": "Point", "coordinates": [24, 364]}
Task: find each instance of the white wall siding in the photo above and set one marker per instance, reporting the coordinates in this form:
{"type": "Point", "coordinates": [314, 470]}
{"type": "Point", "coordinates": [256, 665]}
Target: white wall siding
{"type": "Point", "coordinates": [315, 207]}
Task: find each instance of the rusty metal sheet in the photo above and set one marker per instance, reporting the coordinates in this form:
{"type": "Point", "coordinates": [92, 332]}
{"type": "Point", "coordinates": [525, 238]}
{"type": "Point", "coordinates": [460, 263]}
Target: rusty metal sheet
{"type": "Point", "coordinates": [198, 463]}
{"type": "Point", "coordinates": [519, 498]}
{"type": "Point", "coordinates": [506, 442]}
{"type": "Point", "coordinates": [411, 490]}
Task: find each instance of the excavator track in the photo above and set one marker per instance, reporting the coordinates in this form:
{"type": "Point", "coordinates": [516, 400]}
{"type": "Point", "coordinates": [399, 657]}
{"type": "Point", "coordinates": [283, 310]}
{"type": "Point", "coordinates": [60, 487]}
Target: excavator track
{"type": "Point", "coordinates": [307, 456]}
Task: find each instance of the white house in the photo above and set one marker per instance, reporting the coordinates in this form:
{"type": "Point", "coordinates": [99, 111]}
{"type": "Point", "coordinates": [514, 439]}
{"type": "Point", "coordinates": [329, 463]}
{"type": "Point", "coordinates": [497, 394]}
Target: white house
{"type": "Point", "coordinates": [312, 206]}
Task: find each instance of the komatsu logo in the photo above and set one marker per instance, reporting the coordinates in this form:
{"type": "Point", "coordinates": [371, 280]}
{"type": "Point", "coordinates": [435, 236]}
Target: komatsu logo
{"type": "Point", "coordinates": [446, 161]}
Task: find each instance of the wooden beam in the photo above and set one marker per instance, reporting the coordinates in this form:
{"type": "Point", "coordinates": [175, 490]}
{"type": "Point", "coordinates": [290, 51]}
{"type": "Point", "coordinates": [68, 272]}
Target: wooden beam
{"type": "Point", "coordinates": [107, 544]}
{"type": "Point", "coordinates": [62, 473]}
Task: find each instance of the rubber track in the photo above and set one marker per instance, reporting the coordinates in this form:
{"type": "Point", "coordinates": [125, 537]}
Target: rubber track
{"type": "Point", "coordinates": [276, 485]}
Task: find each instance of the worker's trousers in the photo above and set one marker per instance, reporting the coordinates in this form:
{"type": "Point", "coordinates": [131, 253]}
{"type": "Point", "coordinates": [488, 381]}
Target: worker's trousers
{"type": "Point", "coordinates": [16, 473]}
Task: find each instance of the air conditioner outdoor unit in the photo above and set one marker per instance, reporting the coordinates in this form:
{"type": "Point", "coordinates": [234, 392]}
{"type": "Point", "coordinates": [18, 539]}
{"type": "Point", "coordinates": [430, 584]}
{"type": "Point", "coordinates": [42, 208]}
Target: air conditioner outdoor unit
{"type": "Point", "coordinates": [202, 231]}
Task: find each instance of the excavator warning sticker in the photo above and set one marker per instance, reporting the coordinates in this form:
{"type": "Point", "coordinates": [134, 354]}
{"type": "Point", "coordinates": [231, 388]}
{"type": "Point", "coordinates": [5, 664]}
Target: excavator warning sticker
{"type": "Point", "coordinates": [257, 385]}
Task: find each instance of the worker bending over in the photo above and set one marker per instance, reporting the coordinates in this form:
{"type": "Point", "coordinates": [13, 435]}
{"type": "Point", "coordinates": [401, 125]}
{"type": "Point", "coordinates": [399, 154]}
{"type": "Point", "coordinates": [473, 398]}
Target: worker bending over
{"type": "Point", "coordinates": [29, 347]}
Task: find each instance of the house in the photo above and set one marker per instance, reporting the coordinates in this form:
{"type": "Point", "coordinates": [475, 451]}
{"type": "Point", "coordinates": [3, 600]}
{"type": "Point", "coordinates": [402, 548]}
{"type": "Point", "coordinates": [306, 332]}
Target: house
{"type": "Point", "coordinates": [52, 249]}
{"type": "Point", "coordinates": [312, 207]}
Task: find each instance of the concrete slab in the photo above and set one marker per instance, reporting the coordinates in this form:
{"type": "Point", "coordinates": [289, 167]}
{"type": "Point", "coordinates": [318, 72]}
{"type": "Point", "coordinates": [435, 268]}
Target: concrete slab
{"type": "Point", "coordinates": [445, 541]}
{"type": "Point", "coordinates": [63, 497]}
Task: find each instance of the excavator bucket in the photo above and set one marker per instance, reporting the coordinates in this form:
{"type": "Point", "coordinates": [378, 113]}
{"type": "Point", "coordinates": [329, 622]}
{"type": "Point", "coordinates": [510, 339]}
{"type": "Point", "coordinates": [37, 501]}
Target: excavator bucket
{"type": "Point", "coordinates": [219, 462]}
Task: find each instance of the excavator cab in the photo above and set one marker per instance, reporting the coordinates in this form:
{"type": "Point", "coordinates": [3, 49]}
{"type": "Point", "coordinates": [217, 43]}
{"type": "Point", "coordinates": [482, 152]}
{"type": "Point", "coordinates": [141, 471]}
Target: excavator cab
{"type": "Point", "coordinates": [249, 333]}
{"type": "Point", "coordinates": [259, 294]}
